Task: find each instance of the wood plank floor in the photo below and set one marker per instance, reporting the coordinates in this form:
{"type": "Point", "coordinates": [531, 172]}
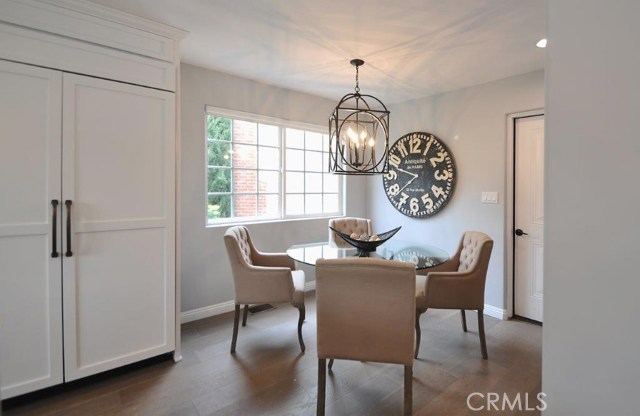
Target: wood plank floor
{"type": "Point", "coordinates": [269, 376]}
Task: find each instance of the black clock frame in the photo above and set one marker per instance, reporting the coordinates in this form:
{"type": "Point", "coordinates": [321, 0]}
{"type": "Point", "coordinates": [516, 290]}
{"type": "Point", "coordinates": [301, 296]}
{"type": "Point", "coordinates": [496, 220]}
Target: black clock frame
{"type": "Point", "coordinates": [425, 172]}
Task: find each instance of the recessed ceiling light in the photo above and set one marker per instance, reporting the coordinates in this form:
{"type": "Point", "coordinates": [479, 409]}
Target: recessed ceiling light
{"type": "Point", "coordinates": [542, 43]}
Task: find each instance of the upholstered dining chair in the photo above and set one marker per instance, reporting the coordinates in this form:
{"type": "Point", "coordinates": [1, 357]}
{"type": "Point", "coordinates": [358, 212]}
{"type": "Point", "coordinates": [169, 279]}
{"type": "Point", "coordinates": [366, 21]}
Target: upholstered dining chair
{"type": "Point", "coordinates": [365, 311]}
{"type": "Point", "coordinates": [262, 278]}
{"type": "Point", "coordinates": [457, 284]}
{"type": "Point", "coordinates": [348, 225]}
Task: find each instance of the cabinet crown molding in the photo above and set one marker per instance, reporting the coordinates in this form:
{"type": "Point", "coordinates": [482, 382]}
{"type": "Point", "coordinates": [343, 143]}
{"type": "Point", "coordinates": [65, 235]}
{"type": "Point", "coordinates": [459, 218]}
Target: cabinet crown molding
{"type": "Point", "coordinates": [97, 24]}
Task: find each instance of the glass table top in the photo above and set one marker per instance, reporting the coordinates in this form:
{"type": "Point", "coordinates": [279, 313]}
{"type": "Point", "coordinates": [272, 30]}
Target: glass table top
{"type": "Point", "coordinates": [422, 255]}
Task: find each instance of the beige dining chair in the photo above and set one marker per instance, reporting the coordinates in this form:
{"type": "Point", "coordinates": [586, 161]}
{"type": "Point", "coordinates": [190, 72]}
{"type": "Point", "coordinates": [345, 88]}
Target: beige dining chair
{"type": "Point", "coordinates": [262, 278]}
{"type": "Point", "coordinates": [348, 225]}
{"type": "Point", "coordinates": [365, 311]}
{"type": "Point", "coordinates": [457, 284]}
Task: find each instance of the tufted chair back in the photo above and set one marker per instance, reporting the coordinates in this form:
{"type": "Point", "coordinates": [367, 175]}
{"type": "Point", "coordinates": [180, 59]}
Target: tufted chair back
{"type": "Point", "coordinates": [470, 250]}
{"type": "Point", "coordinates": [242, 242]}
{"type": "Point", "coordinates": [348, 225]}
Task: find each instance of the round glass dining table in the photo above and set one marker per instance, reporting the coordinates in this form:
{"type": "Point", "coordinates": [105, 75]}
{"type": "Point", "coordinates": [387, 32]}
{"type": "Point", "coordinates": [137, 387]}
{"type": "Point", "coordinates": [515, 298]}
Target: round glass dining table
{"type": "Point", "coordinates": [422, 255]}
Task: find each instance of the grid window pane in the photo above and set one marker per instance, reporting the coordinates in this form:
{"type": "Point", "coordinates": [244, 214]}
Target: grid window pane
{"type": "Point", "coordinates": [295, 204]}
{"type": "Point", "coordinates": [219, 153]}
{"type": "Point", "coordinates": [268, 182]}
{"type": "Point", "coordinates": [268, 205]}
{"type": "Point", "coordinates": [218, 128]}
{"type": "Point", "coordinates": [245, 132]}
{"type": "Point", "coordinates": [313, 182]}
{"type": "Point", "coordinates": [245, 205]}
{"type": "Point", "coordinates": [259, 170]}
{"type": "Point", "coordinates": [331, 183]}
{"type": "Point", "coordinates": [312, 204]}
{"type": "Point", "coordinates": [313, 141]}
{"type": "Point", "coordinates": [218, 206]}
{"type": "Point", "coordinates": [295, 138]}
{"type": "Point", "coordinates": [219, 180]}
{"type": "Point", "coordinates": [268, 158]}
{"type": "Point", "coordinates": [268, 135]}
{"type": "Point", "coordinates": [245, 181]}
{"type": "Point", "coordinates": [331, 203]}
{"type": "Point", "coordinates": [295, 160]}
{"type": "Point", "coordinates": [295, 182]}
{"type": "Point", "coordinates": [313, 161]}
{"type": "Point", "coordinates": [245, 157]}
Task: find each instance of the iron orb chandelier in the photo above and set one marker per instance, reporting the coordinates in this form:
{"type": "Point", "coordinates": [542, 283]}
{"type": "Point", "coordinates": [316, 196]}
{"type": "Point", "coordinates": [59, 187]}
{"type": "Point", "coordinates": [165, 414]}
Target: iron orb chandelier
{"type": "Point", "coordinates": [359, 133]}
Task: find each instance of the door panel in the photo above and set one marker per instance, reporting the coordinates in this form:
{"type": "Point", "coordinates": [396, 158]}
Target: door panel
{"type": "Point", "coordinates": [30, 279]}
{"type": "Point", "coordinates": [119, 172]}
{"type": "Point", "coordinates": [529, 217]}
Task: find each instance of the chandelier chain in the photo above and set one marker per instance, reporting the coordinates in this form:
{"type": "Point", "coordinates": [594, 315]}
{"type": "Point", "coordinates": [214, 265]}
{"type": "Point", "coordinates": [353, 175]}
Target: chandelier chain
{"type": "Point", "coordinates": [357, 81]}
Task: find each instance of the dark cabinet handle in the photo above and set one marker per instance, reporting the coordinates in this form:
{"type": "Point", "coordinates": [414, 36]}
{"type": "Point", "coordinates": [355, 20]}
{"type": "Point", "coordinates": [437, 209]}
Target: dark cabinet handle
{"type": "Point", "coordinates": [54, 229]}
{"type": "Point", "coordinates": [68, 253]}
{"type": "Point", "coordinates": [519, 232]}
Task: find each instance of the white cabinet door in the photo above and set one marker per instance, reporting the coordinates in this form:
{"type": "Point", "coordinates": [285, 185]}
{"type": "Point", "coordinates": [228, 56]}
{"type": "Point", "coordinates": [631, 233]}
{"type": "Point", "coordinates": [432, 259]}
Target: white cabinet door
{"type": "Point", "coordinates": [119, 173]}
{"type": "Point", "coordinates": [30, 278]}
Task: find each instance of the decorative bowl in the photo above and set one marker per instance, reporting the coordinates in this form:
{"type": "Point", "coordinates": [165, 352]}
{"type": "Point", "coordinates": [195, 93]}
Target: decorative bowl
{"type": "Point", "coordinates": [365, 247]}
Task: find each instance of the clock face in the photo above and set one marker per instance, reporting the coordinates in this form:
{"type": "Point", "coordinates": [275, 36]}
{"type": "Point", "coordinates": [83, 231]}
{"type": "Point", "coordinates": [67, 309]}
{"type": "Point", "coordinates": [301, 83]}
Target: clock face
{"type": "Point", "coordinates": [421, 175]}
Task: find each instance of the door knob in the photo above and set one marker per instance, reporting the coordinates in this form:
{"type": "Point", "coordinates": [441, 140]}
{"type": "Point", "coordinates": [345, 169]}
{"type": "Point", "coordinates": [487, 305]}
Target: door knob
{"type": "Point", "coordinates": [519, 232]}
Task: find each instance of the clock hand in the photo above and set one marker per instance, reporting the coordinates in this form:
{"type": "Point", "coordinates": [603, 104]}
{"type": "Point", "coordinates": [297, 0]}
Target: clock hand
{"type": "Point", "coordinates": [408, 173]}
{"type": "Point", "coordinates": [408, 183]}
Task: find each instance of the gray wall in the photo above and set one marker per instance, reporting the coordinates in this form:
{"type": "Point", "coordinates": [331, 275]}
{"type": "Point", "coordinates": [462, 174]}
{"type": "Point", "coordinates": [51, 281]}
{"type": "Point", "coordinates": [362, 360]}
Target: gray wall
{"type": "Point", "coordinates": [591, 343]}
{"type": "Point", "coordinates": [472, 123]}
{"type": "Point", "coordinates": [206, 276]}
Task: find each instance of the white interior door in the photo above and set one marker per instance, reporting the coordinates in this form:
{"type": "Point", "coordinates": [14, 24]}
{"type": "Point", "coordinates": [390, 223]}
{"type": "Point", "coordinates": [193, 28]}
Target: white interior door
{"type": "Point", "coordinates": [529, 217]}
{"type": "Point", "coordinates": [119, 173]}
{"type": "Point", "coordinates": [30, 278]}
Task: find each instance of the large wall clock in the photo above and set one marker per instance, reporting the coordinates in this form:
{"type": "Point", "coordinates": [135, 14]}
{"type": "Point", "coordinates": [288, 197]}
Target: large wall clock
{"type": "Point", "coordinates": [422, 175]}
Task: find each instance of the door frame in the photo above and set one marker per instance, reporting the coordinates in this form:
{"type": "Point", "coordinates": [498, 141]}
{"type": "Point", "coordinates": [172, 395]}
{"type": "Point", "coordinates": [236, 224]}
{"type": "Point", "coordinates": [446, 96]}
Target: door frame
{"type": "Point", "coordinates": [509, 241]}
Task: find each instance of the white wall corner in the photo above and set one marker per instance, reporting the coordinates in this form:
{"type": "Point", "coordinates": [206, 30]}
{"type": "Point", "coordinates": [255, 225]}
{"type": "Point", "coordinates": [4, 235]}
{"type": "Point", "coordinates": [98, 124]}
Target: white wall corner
{"type": "Point", "coordinates": [492, 311]}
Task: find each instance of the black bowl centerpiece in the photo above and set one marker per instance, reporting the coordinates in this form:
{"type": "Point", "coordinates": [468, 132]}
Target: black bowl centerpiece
{"type": "Point", "coordinates": [365, 243]}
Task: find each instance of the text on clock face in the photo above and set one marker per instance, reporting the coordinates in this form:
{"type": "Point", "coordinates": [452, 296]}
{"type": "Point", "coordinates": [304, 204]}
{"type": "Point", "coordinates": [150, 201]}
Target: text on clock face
{"type": "Point", "coordinates": [421, 175]}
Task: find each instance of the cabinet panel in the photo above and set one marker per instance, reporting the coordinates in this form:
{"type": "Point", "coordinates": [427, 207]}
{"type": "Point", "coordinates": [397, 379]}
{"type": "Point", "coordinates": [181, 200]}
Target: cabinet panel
{"type": "Point", "coordinates": [30, 279]}
{"type": "Point", "coordinates": [122, 299]}
{"type": "Point", "coordinates": [118, 169]}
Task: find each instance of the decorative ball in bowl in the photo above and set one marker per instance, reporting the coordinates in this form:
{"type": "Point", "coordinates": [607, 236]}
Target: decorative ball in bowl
{"type": "Point", "coordinates": [366, 243]}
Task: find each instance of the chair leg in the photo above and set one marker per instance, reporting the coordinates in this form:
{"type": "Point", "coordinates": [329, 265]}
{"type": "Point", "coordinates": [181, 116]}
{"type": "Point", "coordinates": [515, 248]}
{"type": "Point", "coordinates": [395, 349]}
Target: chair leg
{"type": "Point", "coordinates": [322, 384]}
{"type": "Point", "coordinates": [483, 342]}
{"type": "Point", "coordinates": [300, 322]}
{"type": "Point", "coordinates": [408, 390]}
{"type": "Point", "coordinates": [236, 320]}
{"type": "Point", "coordinates": [330, 363]}
{"type": "Point", "coordinates": [464, 320]}
{"type": "Point", "coordinates": [418, 331]}
{"type": "Point", "coordinates": [244, 315]}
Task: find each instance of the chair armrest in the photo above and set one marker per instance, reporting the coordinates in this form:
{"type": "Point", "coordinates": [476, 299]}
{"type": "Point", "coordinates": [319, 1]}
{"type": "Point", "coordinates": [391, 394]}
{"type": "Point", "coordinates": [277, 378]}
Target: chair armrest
{"type": "Point", "coordinates": [454, 290]}
{"type": "Point", "coordinates": [272, 260]}
{"type": "Point", "coordinates": [450, 265]}
{"type": "Point", "coordinates": [260, 284]}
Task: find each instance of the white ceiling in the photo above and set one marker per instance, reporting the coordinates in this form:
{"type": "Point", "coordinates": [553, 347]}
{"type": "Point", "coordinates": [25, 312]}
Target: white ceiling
{"type": "Point", "coordinates": [412, 48]}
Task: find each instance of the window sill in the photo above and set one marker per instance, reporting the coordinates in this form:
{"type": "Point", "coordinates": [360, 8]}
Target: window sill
{"type": "Point", "coordinates": [272, 221]}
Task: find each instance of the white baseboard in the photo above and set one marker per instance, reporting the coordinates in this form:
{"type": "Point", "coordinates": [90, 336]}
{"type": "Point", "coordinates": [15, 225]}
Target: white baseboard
{"type": "Point", "coordinates": [220, 308]}
{"type": "Point", "coordinates": [207, 311]}
{"type": "Point", "coordinates": [495, 312]}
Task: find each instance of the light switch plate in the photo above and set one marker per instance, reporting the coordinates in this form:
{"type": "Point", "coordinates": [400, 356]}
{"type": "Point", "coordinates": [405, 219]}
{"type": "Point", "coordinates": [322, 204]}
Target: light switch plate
{"type": "Point", "coordinates": [489, 198]}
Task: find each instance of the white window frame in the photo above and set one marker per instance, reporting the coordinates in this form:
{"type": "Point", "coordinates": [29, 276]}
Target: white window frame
{"type": "Point", "coordinates": [282, 125]}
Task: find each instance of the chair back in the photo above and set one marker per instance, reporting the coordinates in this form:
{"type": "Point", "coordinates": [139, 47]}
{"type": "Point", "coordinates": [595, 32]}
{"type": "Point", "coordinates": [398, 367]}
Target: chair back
{"type": "Point", "coordinates": [366, 310]}
{"type": "Point", "coordinates": [474, 253]}
{"type": "Point", "coordinates": [348, 225]}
